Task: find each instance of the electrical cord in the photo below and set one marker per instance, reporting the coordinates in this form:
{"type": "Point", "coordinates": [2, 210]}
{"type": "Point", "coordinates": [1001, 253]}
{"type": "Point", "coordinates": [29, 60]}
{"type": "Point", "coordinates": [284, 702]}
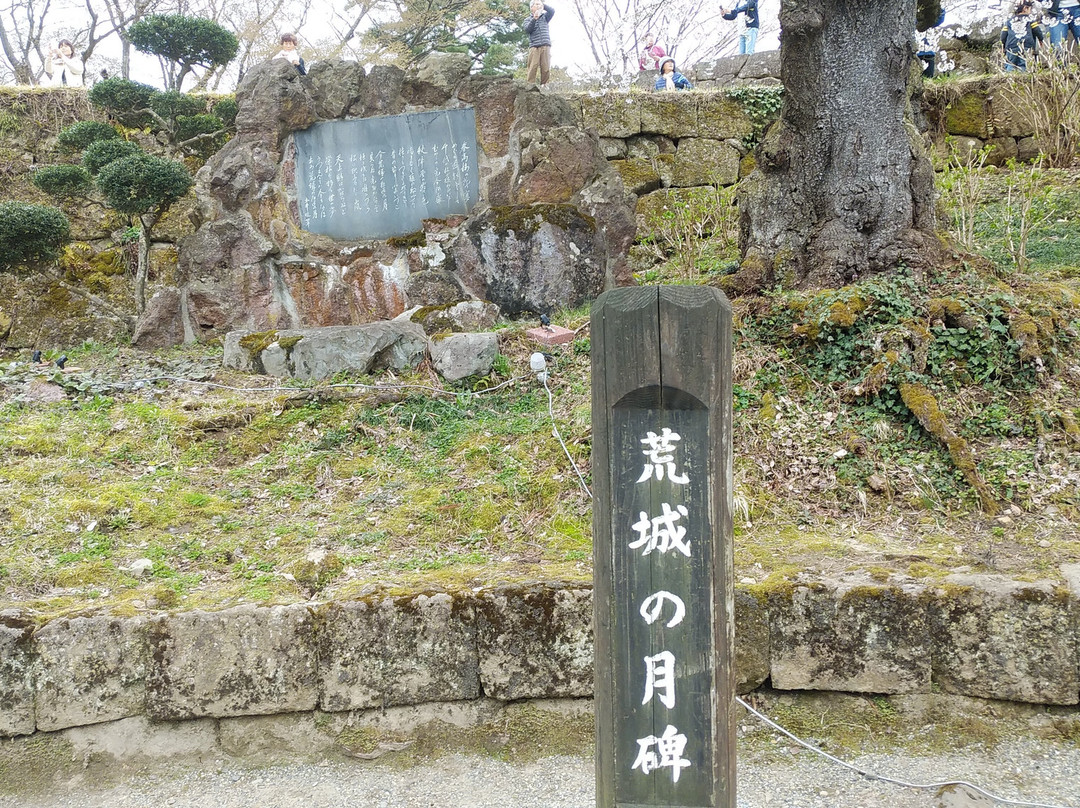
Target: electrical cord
{"type": "Point", "coordinates": [871, 776]}
{"type": "Point", "coordinates": [543, 377]}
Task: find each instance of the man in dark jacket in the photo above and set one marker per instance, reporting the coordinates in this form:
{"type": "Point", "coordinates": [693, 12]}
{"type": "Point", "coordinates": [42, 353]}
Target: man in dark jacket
{"type": "Point", "coordinates": [1019, 35]}
{"type": "Point", "coordinates": [748, 39]}
{"type": "Point", "coordinates": [536, 26]}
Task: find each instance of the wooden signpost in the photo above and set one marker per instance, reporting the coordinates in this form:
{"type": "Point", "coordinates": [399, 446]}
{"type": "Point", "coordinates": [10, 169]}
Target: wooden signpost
{"type": "Point", "coordinates": [662, 548]}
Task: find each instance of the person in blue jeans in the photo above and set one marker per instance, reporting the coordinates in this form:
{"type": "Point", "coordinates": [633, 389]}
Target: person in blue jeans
{"type": "Point", "coordinates": [1064, 18]}
{"type": "Point", "coordinates": [748, 39]}
{"type": "Point", "coordinates": [1019, 35]}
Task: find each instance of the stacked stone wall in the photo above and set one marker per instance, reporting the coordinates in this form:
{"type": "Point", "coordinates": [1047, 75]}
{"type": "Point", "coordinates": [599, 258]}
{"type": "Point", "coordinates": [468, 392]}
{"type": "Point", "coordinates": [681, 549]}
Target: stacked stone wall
{"type": "Point", "coordinates": [969, 636]}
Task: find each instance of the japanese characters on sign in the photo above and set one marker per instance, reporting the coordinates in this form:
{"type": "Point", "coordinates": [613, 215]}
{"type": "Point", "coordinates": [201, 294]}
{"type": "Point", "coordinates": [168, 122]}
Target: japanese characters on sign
{"type": "Point", "coordinates": [663, 534]}
{"type": "Point", "coordinates": [662, 553]}
{"type": "Point", "coordinates": [380, 177]}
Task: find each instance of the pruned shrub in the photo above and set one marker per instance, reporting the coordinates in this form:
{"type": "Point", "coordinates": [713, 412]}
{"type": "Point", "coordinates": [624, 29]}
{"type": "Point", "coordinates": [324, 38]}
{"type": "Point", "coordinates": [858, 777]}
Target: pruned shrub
{"type": "Point", "coordinates": [172, 104]}
{"type": "Point", "coordinates": [123, 99]}
{"type": "Point", "coordinates": [30, 233]}
{"type": "Point", "coordinates": [100, 154]}
{"type": "Point", "coordinates": [226, 109]}
{"type": "Point", "coordinates": [142, 182]}
{"type": "Point", "coordinates": [189, 126]}
{"type": "Point", "coordinates": [63, 181]}
{"type": "Point", "coordinates": [80, 135]}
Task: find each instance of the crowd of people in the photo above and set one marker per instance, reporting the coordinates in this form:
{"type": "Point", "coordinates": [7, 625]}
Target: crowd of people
{"type": "Point", "coordinates": [1030, 25]}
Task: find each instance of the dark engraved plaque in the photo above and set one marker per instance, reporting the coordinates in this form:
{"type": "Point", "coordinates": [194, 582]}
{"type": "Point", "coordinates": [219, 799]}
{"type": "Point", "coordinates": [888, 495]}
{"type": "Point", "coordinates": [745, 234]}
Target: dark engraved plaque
{"type": "Point", "coordinates": [380, 177]}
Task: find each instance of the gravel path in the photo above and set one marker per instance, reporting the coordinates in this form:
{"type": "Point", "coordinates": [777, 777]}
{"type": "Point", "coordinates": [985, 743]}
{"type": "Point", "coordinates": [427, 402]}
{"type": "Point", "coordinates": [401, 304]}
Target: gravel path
{"type": "Point", "coordinates": [1035, 771]}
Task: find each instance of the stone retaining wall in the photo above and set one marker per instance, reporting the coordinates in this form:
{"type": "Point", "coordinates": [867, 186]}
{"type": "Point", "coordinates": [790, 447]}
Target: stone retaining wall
{"type": "Point", "coordinates": [970, 636]}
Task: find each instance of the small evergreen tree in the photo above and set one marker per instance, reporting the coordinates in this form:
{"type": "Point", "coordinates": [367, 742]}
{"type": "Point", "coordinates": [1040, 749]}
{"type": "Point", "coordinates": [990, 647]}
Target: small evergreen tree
{"type": "Point", "coordinates": [31, 234]}
{"type": "Point", "coordinates": [100, 154]}
{"type": "Point", "coordinates": [80, 135]}
{"type": "Point", "coordinates": [143, 186]}
{"type": "Point", "coordinates": [63, 181]}
{"type": "Point", "coordinates": [183, 43]}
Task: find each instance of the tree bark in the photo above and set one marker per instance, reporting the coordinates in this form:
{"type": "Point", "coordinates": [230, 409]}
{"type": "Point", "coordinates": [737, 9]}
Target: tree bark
{"type": "Point", "coordinates": [842, 186]}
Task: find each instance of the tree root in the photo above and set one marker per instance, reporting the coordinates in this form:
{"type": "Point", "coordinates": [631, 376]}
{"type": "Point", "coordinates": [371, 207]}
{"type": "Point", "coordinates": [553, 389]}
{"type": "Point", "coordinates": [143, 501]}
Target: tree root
{"type": "Point", "coordinates": [925, 408]}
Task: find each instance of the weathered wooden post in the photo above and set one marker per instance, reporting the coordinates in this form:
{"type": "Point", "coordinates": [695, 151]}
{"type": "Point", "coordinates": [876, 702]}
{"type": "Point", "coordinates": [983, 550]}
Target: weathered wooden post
{"type": "Point", "coordinates": [662, 548]}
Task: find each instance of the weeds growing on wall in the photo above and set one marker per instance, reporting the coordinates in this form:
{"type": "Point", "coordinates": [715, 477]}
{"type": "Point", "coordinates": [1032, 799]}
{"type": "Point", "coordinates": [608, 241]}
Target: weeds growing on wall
{"type": "Point", "coordinates": [694, 230]}
{"type": "Point", "coordinates": [1050, 94]}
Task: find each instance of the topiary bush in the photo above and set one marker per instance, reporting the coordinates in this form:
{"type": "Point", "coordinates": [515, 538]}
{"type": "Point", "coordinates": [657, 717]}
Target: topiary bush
{"type": "Point", "coordinates": [172, 104]}
{"type": "Point", "coordinates": [100, 154]}
{"type": "Point", "coordinates": [63, 181]}
{"type": "Point", "coordinates": [80, 135]}
{"type": "Point", "coordinates": [226, 109]}
{"type": "Point", "coordinates": [189, 126]}
{"type": "Point", "coordinates": [140, 183]}
{"type": "Point", "coordinates": [30, 233]}
{"type": "Point", "coordinates": [125, 100]}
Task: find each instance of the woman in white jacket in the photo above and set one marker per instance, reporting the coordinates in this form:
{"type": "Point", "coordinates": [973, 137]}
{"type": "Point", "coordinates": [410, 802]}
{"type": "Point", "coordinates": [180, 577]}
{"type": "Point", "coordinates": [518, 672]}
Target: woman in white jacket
{"type": "Point", "coordinates": [62, 66]}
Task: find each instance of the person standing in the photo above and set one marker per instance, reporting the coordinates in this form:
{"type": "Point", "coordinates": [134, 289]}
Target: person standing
{"type": "Point", "coordinates": [536, 26]}
{"type": "Point", "coordinates": [654, 53]}
{"type": "Point", "coordinates": [748, 38]}
{"type": "Point", "coordinates": [62, 66]}
{"type": "Point", "coordinates": [1019, 36]}
{"type": "Point", "coordinates": [1064, 18]}
{"type": "Point", "coordinates": [289, 53]}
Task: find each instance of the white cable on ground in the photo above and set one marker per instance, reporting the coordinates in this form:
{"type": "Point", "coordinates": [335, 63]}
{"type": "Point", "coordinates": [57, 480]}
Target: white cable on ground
{"type": "Point", "coordinates": [893, 781]}
{"type": "Point", "coordinates": [555, 432]}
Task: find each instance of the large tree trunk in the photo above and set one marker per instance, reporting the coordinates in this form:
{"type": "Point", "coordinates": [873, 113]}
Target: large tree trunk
{"type": "Point", "coordinates": [842, 186]}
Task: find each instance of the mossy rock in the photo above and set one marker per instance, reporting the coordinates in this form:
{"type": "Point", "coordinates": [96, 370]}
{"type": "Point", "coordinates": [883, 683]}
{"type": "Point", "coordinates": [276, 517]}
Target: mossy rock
{"type": "Point", "coordinates": [639, 175]}
{"type": "Point", "coordinates": [611, 115]}
{"type": "Point", "coordinates": [525, 220]}
{"type": "Point", "coordinates": [721, 117]}
{"type": "Point", "coordinates": [968, 115]}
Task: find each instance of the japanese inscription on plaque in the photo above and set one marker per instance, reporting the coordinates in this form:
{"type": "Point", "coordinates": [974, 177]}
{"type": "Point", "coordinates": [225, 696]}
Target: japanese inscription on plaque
{"type": "Point", "coordinates": [381, 177]}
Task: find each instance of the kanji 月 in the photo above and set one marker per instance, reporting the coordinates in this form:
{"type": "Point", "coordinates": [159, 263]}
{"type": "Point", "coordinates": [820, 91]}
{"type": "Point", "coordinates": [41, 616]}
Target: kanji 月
{"type": "Point", "coordinates": [659, 454]}
{"type": "Point", "coordinates": [660, 679]}
{"type": "Point", "coordinates": [663, 752]}
{"type": "Point", "coordinates": [660, 532]}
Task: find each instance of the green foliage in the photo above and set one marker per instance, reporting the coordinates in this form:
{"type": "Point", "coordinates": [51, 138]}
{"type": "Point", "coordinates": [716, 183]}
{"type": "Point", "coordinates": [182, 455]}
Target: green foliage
{"type": "Point", "coordinates": [123, 99]}
{"type": "Point", "coordinates": [80, 135]}
{"type": "Point", "coordinates": [30, 233]}
{"type": "Point", "coordinates": [185, 42]}
{"type": "Point", "coordinates": [63, 181]}
{"type": "Point", "coordinates": [489, 31]}
{"type": "Point", "coordinates": [100, 154]}
{"type": "Point", "coordinates": [141, 183]}
{"type": "Point", "coordinates": [762, 106]}
{"type": "Point", "coordinates": [691, 224]}
{"type": "Point", "coordinates": [189, 126]}
{"type": "Point", "coordinates": [172, 104]}
{"type": "Point", "coordinates": [226, 110]}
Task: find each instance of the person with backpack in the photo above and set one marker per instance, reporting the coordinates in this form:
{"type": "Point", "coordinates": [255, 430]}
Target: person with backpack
{"type": "Point", "coordinates": [1020, 36]}
{"type": "Point", "coordinates": [748, 38]}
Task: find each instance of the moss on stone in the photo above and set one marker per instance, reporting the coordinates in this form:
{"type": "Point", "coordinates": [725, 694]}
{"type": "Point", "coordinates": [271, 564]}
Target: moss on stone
{"type": "Point", "coordinates": [288, 343]}
{"type": "Point", "coordinates": [524, 220]}
{"type": "Point", "coordinates": [416, 239]}
{"type": "Point", "coordinates": [258, 341]}
{"type": "Point", "coordinates": [845, 313]}
{"type": "Point", "coordinates": [967, 115]}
